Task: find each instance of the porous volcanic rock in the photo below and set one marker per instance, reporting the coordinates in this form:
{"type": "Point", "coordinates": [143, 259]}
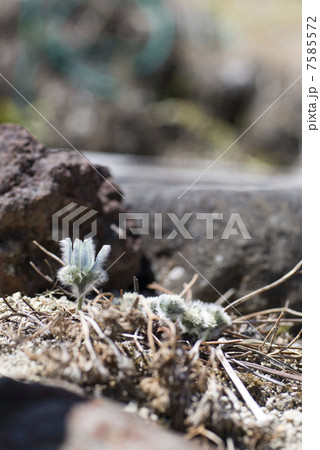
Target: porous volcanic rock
{"type": "Point", "coordinates": [224, 261]}
{"type": "Point", "coordinates": [35, 183]}
{"type": "Point", "coordinates": [43, 417]}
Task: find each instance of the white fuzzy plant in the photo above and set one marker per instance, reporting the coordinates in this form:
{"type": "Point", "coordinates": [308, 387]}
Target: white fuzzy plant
{"type": "Point", "coordinates": [83, 270]}
{"type": "Point", "coordinates": [196, 319]}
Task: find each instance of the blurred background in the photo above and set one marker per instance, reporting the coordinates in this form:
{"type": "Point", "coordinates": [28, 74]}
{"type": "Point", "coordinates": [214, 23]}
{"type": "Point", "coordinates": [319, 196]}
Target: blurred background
{"type": "Point", "coordinates": [156, 77]}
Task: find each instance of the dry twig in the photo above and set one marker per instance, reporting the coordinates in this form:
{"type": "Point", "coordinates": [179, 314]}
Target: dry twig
{"type": "Point", "coordinates": [265, 288]}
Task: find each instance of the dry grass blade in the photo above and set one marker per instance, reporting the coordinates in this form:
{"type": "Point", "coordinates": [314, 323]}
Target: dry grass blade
{"type": "Point", "coordinates": [96, 327]}
{"type": "Point", "coordinates": [266, 312]}
{"type": "Point", "coordinates": [8, 317]}
{"type": "Point", "coordinates": [158, 287]}
{"type": "Point", "coordinates": [288, 346]}
{"type": "Point", "coordinates": [86, 335]}
{"type": "Point", "coordinates": [30, 306]}
{"type": "Point", "coordinates": [104, 297]}
{"type": "Point", "coordinates": [49, 267]}
{"type": "Point", "coordinates": [284, 321]}
{"type": "Point", "coordinates": [52, 255]}
{"type": "Point", "coordinates": [226, 342]}
{"type": "Point", "coordinates": [136, 286]}
{"type": "Point", "coordinates": [140, 348]}
{"type": "Point", "coordinates": [261, 417]}
{"type": "Point", "coordinates": [225, 297]}
{"type": "Point", "coordinates": [45, 328]}
{"type": "Point", "coordinates": [274, 328]}
{"type": "Point", "coordinates": [290, 376]}
{"type": "Point", "coordinates": [251, 369]}
{"type": "Point", "coordinates": [202, 431]}
{"type": "Point", "coordinates": [95, 361]}
{"type": "Point", "coordinates": [151, 318]}
{"type": "Point", "coordinates": [9, 306]}
{"type": "Point", "coordinates": [46, 277]}
{"type": "Point", "coordinates": [278, 363]}
{"type": "Point", "coordinates": [230, 444]}
{"type": "Point", "coordinates": [189, 285]}
{"type": "Point", "coordinates": [265, 288]}
{"type": "Point", "coordinates": [211, 436]}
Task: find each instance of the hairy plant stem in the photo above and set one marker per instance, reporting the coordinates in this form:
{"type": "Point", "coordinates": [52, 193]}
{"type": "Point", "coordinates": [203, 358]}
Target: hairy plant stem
{"type": "Point", "coordinates": [80, 301]}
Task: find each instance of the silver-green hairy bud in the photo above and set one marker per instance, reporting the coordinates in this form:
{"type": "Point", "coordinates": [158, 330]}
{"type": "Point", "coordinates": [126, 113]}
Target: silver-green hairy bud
{"type": "Point", "coordinates": [195, 319]}
{"type": "Point", "coordinates": [82, 271]}
{"type": "Point", "coordinates": [167, 306]}
{"type": "Point", "coordinates": [204, 320]}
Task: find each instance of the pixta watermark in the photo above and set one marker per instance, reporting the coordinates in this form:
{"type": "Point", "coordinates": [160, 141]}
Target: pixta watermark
{"type": "Point", "coordinates": [146, 224]}
{"type": "Point", "coordinates": [73, 216]}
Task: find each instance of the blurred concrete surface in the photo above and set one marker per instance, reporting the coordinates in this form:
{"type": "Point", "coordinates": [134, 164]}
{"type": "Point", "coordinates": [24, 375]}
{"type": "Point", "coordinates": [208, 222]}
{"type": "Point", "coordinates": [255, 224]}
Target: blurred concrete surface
{"type": "Point", "coordinates": [137, 174]}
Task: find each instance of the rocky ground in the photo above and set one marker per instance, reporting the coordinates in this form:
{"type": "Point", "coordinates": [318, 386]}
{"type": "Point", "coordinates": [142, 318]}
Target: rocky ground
{"type": "Point", "coordinates": [240, 391]}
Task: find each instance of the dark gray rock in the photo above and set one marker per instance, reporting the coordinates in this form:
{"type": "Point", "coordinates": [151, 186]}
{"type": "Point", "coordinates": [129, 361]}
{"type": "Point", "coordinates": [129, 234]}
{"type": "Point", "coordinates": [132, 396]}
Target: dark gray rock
{"type": "Point", "coordinates": [271, 217]}
{"type": "Point", "coordinates": [35, 183]}
{"type": "Point", "coordinates": [34, 416]}
{"type": "Point", "coordinates": [40, 417]}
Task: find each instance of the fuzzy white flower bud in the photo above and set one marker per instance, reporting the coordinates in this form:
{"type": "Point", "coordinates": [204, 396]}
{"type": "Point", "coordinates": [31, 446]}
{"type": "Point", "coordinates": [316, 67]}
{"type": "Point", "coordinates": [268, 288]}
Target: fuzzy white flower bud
{"type": "Point", "coordinates": [82, 271]}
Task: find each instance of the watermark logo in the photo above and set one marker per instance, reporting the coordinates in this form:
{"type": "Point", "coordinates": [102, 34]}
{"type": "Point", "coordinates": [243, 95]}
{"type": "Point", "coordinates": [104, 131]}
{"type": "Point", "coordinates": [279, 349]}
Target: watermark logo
{"type": "Point", "coordinates": [146, 223]}
{"type": "Point", "coordinates": [75, 216]}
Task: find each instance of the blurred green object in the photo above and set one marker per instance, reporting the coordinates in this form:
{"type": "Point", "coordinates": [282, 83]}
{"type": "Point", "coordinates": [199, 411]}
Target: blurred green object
{"type": "Point", "coordinates": [161, 40]}
{"type": "Point", "coordinates": [156, 77]}
{"type": "Point", "coordinates": [92, 65]}
{"type": "Point", "coordinates": [12, 111]}
{"type": "Point", "coordinates": [189, 115]}
{"type": "Point", "coordinates": [9, 111]}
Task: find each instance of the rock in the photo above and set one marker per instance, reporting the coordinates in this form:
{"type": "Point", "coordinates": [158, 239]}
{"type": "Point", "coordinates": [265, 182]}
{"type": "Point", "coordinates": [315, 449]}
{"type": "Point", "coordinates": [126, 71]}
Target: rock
{"type": "Point", "coordinates": [272, 221]}
{"type": "Point", "coordinates": [34, 416]}
{"type": "Point", "coordinates": [105, 423]}
{"type": "Point", "coordinates": [41, 417]}
{"type": "Point", "coordinates": [35, 183]}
